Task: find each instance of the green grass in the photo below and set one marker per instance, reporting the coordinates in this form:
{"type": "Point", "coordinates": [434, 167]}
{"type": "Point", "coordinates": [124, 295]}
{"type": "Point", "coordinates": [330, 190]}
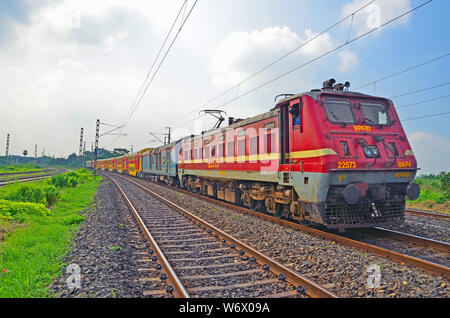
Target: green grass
{"type": "Point", "coordinates": [14, 187]}
{"type": "Point", "coordinates": [20, 168]}
{"type": "Point", "coordinates": [30, 256]}
{"type": "Point", "coordinates": [430, 198]}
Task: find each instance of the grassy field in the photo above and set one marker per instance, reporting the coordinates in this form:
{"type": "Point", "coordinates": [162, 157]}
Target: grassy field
{"type": "Point", "coordinates": [434, 195]}
{"type": "Point", "coordinates": [37, 237]}
{"type": "Point", "coordinates": [20, 168]}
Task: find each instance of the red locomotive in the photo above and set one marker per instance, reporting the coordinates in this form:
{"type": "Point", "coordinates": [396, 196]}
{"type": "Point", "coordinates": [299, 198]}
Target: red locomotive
{"type": "Point", "coordinates": [329, 156]}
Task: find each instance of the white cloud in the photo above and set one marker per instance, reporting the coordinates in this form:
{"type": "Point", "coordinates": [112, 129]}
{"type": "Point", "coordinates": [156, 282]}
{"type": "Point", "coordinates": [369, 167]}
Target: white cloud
{"type": "Point", "coordinates": [241, 54]}
{"type": "Point", "coordinates": [347, 61]}
{"type": "Point", "coordinates": [375, 14]}
{"type": "Point", "coordinates": [432, 152]}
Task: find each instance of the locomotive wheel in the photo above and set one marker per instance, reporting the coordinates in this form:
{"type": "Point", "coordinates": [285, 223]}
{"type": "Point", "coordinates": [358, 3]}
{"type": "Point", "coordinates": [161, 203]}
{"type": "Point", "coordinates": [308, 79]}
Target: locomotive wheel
{"type": "Point", "coordinates": [270, 205]}
{"type": "Point", "coordinates": [256, 205]}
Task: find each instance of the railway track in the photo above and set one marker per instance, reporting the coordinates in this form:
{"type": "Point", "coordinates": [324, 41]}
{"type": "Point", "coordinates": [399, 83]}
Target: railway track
{"type": "Point", "coordinates": [7, 174]}
{"type": "Point", "coordinates": [429, 266]}
{"type": "Point", "coordinates": [428, 214]}
{"type": "Point", "coordinates": [199, 260]}
{"type": "Point", "coordinates": [430, 250]}
{"type": "Point", "coordinates": [25, 179]}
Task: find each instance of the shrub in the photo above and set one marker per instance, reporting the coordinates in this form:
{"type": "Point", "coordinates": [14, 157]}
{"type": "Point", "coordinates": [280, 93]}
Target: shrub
{"type": "Point", "coordinates": [72, 178]}
{"type": "Point", "coordinates": [443, 184]}
{"type": "Point", "coordinates": [21, 211]}
{"type": "Point", "coordinates": [51, 194]}
{"type": "Point", "coordinates": [27, 193]}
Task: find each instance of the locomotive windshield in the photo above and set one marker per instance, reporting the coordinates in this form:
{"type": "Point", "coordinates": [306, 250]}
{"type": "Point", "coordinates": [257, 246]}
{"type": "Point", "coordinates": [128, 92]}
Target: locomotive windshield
{"type": "Point", "coordinates": [369, 113]}
{"type": "Point", "coordinates": [340, 111]}
{"type": "Point", "coordinates": [374, 114]}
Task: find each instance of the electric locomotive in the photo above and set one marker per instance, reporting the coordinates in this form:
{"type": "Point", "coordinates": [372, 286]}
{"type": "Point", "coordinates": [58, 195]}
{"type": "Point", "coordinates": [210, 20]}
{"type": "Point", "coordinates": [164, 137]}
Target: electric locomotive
{"type": "Point", "coordinates": [329, 156]}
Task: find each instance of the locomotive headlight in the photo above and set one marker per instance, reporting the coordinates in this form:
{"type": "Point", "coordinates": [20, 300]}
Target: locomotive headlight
{"type": "Point", "coordinates": [371, 151]}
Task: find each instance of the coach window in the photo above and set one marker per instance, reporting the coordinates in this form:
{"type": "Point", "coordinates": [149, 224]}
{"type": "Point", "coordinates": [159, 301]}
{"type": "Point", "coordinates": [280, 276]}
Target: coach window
{"type": "Point", "coordinates": [254, 145]}
{"type": "Point", "coordinates": [213, 151]}
{"type": "Point", "coordinates": [206, 152]}
{"type": "Point", "coordinates": [241, 147]}
{"type": "Point", "coordinates": [268, 142]}
{"type": "Point", "coordinates": [230, 149]}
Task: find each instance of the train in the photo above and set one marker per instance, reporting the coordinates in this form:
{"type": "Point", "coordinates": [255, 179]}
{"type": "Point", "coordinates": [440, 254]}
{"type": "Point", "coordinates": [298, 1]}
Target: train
{"type": "Point", "coordinates": [329, 156]}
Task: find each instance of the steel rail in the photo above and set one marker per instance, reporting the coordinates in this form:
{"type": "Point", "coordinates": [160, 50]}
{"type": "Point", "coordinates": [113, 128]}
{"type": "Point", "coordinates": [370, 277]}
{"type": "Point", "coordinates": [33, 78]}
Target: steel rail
{"type": "Point", "coordinates": [428, 213]}
{"type": "Point", "coordinates": [5, 183]}
{"type": "Point", "coordinates": [311, 288]}
{"type": "Point", "coordinates": [180, 290]}
{"type": "Point", "coordinates": [435, 244]}
{"type": "Point", "coordinates": [7, 174]}
{"type": "Point", "coordinates": [430, 267]}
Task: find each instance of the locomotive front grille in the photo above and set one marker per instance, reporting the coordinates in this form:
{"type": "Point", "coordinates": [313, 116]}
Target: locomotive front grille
{"type": "Point", "coordinates": [340, 214]}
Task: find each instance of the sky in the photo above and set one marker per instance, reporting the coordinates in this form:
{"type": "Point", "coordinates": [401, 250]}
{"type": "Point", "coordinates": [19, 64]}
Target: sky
{"type": "Point", "coordinates": [66, 63]}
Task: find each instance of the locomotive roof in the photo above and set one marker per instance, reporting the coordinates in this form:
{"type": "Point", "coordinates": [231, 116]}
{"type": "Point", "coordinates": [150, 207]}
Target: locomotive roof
{"type": "Point", "coordinates": [315, 93]}
{"type": "Point", "coordinates": [238, 124]}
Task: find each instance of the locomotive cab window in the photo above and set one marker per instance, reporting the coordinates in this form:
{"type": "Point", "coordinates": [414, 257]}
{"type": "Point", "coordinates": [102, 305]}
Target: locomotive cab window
{"type": "Point", "coordinates": [374, 114]}
{"type": "Point", "coordinates": [339, 111]}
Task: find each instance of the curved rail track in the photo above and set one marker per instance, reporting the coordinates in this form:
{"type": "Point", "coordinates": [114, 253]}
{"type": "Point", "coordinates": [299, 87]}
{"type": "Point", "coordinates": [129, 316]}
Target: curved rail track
{"type": "Point", "coordinates": [431, 267]}
{"type": "Point", "coordinates": [199, 260]}
{"type": "Point", "coordinates": [25, 179]}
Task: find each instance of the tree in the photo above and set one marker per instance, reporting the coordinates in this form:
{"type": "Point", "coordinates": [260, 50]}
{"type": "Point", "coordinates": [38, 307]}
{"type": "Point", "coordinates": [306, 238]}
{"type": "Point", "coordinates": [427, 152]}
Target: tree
{"type": "Point", "coordinates": [120, 152]}
{"type": "Point", "coordinates": [25, 153]}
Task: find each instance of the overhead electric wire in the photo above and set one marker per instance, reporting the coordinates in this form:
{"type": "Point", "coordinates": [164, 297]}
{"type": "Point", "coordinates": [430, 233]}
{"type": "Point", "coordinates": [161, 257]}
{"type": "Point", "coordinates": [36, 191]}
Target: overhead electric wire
{"type": "Point", "coordinates": [423, 101]}
{"type": "Point", "coordinates": [425, 116]}
{"type": "Point", "coordinates": [420, 90]}
{"type": "Point", "coordinates": [320, 56]}
{"type": "Point", "coordinates": [162, 61]}
{"type": "Point", "coordinates": [403, 71]}
{"type": "Point", "coordinates": [154, 61]}
{"type": "Point", "coordinates": [274, 62]}
{"type": "Point", "coordinates": [137, 101]}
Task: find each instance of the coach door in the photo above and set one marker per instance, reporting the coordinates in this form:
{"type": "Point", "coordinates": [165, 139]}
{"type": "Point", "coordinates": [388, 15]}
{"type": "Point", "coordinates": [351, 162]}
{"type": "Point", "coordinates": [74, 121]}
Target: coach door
{"type": "Point", "coordinates": [168, 161]}
{"type": "Point", "coordinates": [284, 133]}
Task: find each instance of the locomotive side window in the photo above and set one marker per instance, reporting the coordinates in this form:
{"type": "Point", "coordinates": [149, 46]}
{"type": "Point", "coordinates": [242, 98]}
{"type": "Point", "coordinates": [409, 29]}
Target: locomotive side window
{"type": "Point", "coordinates": [241, 147]}
{"type": "Point", "coordinates": [230, 150]}
{"type": "Point", "coordinates": [254, 145]}
{"type": "Point", "coordinates": [339, 111]}
{"type": "Point", "coordinates": [269, 140]}
{"type": "Point", "coordinates": [374, 114]}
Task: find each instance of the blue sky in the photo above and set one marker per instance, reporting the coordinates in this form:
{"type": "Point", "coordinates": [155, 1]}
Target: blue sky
{"type": "Point", "coordinates": [67, 63]}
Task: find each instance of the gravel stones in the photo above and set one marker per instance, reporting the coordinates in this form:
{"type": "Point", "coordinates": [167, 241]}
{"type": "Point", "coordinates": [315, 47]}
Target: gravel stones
{"type": "Point", "coordinates": [343, 269]}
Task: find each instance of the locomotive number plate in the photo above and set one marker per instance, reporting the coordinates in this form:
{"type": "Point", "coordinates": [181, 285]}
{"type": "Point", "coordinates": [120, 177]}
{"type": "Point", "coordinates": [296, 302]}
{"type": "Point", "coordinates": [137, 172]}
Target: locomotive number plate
{"type": "Point", "coordinates": [346, 164]}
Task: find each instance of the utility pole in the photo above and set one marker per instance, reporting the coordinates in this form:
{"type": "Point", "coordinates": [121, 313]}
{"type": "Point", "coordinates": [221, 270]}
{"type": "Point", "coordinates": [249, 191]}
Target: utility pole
{"type": "Point", "coordinates": [168, 135]}
{"type": "Point", "coordinates": [97, 131]}
{"type": "Point", "coordinates": [81, 147]}
{"type": "Point", "coordinates": [84, 154]}
{"type": "Point", "coordinates": [131, 148]}
{"type": "Point", "coordinates": [7, 145]}
{"type": "Point", "coordinates": [35, 153]}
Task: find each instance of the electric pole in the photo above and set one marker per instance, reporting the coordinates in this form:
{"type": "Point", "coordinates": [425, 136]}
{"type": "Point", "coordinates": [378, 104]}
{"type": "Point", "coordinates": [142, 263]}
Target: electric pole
{"type": "Point", "coordinates": [168, 135]}
{"type": "Point", "coordinates": [81, 147]}
{"type": "Point", "coordinates": [97, 130]}
{"type": "Point", "coordinates": [35, 153]}
{"type": "Point", "coordinates": [7, 145]}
